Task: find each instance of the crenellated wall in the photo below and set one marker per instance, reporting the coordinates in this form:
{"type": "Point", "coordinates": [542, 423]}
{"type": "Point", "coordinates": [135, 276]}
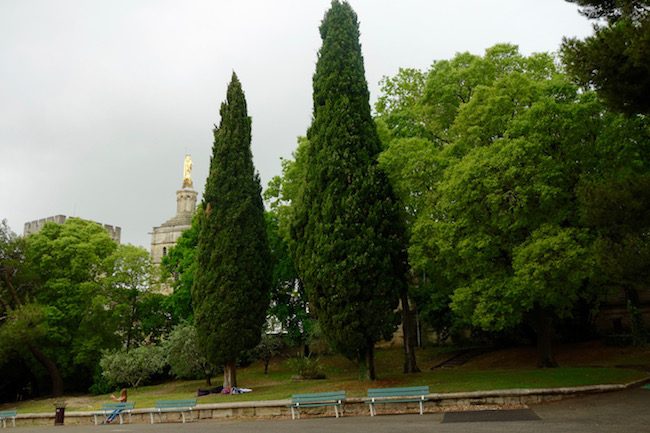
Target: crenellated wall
{"type": "Point", "coordinates": [35, 226]}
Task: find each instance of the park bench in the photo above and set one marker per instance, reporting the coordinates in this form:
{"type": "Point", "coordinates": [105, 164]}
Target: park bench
{"type": "Point", "coordinates": [182, 406]}
{"type": "Point", "coordinates": [335, 399]}
{"type": "Point", "coordinates": [109, 408]}
{"type": "Point", "coordinates": [397, 395]}
{"type": "Point", "coordinates": [7, 414]}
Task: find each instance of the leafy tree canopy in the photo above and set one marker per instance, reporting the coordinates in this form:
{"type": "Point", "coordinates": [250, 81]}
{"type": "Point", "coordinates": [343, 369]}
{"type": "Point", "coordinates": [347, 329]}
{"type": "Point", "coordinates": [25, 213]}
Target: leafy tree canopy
{"type": "Point", "coordinates": [179, 266]}
{"type": "Point", "coordinates": [615, 60]}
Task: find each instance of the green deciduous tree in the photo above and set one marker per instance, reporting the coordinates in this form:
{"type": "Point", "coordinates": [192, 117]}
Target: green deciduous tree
{"type": "Point", "coordinates": [60, 272]}
{"type": "Point", "coordinates": [289, 303]}
{"type": "Point", "coordinates": [179, 266]}
{"type": "Point", "coordinates": [129, 281]}
{"type": "Point", "coordinates": [269, 346]}
{"type": "Point", "coordinates": [504, 226]}
{"type": "Point", "coordinates": [288, 299]}
{"type": "Point", "coordinates": [349, 243]}
{"type": "Point", "coordinates": [230, 293]}
{"type": "Point", "coordinates": [615, 203]}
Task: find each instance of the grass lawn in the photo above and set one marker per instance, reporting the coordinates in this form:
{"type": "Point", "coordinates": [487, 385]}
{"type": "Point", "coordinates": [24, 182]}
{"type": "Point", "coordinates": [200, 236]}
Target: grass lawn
{"type": "Point", "coordinates": [585, 364]}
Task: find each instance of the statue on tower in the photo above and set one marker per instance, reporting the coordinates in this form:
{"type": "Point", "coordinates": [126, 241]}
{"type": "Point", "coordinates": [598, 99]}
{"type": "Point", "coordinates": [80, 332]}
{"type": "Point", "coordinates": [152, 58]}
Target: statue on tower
{"type": "Point", "coordinates": [187, 172]}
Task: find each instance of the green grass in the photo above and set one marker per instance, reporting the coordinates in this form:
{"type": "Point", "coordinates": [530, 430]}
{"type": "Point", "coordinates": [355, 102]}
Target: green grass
{"type": "Point", "coordinates": [343, 375]}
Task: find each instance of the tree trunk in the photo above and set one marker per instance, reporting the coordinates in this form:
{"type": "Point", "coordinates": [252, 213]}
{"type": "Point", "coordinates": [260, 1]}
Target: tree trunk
{"type": "Point", "coordinates": [230, 374]}
{"type": "Point", "coordinates": [266, 365]}
{"type": "Point", "coordinates": [52, 369]}
{"type": "Point", "coordinates": [129, 334]}
{"type": "Point", "coordinates": [408, 332]}
{"type": "Point", "coordinates": [544, 329]}
{"type": "Point", "coordinates": [12, 289]}
{"type": "Point", "coordinates": [636, 318]}
{"type": "Point", "coordinates": [208, 380]}
{"type": "Point", "coordinates": [306, 351]}
{"type": "Point", "coordinates": [370, 361]}
{"type": "Point", "coordinates": [366, 360]}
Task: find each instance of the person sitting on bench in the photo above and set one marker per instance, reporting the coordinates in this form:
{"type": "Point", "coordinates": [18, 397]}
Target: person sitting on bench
{"type": "Point", "coordinates": [121, 399]}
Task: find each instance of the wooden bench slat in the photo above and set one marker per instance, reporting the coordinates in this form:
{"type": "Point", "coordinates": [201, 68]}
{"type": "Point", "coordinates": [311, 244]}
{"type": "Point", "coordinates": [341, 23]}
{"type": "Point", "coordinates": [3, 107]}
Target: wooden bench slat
{"type": "Point", "coordinates": [8, 414]}
{"type": "Point", "coordinates": [397, 395]}
{"type": "Point", "coordinates": [333, 398]}
{"type": "Point", "coordinates": [415, 390]}
{"type": "Point", "coordinates": [181, 406]}
{"type": "Point", "coordinates": [121, 406]}
{"type": "Point", "coordinates": [175, 403]}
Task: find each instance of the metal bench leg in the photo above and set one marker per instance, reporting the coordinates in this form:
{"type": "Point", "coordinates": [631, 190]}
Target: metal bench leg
{"type": "Point", "coordinates": [372, 412]}
{"type": "Point", "coordinates": [151, 415]}
{"type": "Point", "coordinates": [336, 410]}
{"type": "Point", "coordinates": [183, 416]}
{"type": "Point", "coordinates": [421, 407]}
{"type": "Point", "coordinates": [121, 420]}
{"type": "Point", "coordinates": [14, 421]}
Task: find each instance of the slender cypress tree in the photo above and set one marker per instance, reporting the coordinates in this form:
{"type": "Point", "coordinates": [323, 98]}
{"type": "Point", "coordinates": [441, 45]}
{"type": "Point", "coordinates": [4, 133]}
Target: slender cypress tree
{"type": "Point", "coordinates": [232, 283]}
{"type": "Point", "coordinates": [348, 238]}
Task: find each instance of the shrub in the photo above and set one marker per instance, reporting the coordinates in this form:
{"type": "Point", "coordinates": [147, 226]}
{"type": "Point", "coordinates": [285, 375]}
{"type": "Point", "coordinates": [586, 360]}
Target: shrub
{"type": "Point", "coordinates": [307, 367]}
{"type": "Point", "coordinates": [133, 367]}
{"type": "Point", "coordinates": [269, 346]}
{"type": "Point", "coordinates": [186, 358]}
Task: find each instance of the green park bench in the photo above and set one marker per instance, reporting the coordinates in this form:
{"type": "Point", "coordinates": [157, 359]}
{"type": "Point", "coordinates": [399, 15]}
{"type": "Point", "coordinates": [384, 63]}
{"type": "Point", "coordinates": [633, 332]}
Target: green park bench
{"type": "Point", "coordinates": [335, 399]}
{"type": "Point", "coordinates": [8, 414]}
{"type": "Point", "coordinates": [410, 394]}
{"type": "Point", "coordinates": [182, 406]}
{"type": "Point", "coordinates": [109, 408]}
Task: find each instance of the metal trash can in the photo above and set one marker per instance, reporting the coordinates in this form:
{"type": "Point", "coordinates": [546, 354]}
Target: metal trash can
{"type": "Point", "coordinates": [59, 414]}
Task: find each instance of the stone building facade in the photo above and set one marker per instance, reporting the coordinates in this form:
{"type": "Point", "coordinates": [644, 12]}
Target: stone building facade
{"type": "Point", "coordinates": [165, 235]}
{"type": "Point", "coordinates": [35, 226]}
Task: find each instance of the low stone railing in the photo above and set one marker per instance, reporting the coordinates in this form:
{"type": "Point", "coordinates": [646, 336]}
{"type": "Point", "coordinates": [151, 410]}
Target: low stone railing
{"type": "Point", "coordinates": [438, 402]}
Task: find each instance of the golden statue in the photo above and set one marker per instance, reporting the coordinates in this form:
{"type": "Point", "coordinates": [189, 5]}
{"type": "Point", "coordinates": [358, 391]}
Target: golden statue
{"type": "Point", "coordinates": [187, 172]}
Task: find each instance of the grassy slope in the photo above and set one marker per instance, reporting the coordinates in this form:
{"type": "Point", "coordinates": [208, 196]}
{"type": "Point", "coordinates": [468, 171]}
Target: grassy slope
{"type": "Point", "coordinates": [585, 364]}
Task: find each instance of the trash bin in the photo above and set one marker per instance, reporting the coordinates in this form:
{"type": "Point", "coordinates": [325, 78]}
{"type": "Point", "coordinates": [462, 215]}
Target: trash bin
{"type": "Point", "coordinates": [59, 414]}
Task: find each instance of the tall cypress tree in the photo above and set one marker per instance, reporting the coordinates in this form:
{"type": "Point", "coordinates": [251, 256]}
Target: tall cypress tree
{"type": "Point", "coordinates": [348, 239]}
{"type": "Point", "coordinates": [233, 278]}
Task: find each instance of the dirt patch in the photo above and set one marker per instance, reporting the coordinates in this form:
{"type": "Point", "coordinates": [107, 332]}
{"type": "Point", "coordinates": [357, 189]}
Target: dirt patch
{"type": "Point", "coordinates": [587, 354]}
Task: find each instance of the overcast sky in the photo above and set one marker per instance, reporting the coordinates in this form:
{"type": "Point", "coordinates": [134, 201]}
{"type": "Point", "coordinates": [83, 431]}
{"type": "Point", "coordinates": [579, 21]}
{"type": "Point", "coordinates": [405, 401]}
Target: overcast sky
{"type": "Point", "coordinates": [100, 100]}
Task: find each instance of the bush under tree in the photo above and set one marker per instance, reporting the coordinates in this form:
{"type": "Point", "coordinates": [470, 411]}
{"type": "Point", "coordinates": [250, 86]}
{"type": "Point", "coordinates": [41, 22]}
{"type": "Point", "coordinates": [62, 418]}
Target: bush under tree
{"type": "Point", "coordinates": [133, 368]}
{"type": "Point", "coordinates": [185, 356]}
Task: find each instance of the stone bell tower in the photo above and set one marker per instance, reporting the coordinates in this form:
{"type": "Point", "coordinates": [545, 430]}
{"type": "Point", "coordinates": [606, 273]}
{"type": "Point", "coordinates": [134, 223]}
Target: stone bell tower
{"type": "Point", "coordinates": [165, 236]}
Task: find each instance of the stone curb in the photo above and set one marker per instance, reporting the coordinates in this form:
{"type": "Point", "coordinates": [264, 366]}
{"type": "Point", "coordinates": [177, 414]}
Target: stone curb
{"type": "Point", "coordinates": [246, 409]}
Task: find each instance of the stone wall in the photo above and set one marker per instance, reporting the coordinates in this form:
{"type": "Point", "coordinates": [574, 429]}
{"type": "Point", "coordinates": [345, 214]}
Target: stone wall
{"type": "Point", "coordinates": [35, 226]}
{"type": "Point", "coordinates": [437, 402]}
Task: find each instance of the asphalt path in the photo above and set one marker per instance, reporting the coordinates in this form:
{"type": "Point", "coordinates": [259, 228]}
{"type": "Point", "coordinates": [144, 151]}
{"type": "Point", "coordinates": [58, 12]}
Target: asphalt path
{"type": "Point", "coordinates": [622, 411]}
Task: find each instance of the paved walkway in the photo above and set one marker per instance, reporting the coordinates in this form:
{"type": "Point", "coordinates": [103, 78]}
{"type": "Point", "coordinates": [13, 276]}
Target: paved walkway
{"type": "Point", "coordinates": [623, 411]}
